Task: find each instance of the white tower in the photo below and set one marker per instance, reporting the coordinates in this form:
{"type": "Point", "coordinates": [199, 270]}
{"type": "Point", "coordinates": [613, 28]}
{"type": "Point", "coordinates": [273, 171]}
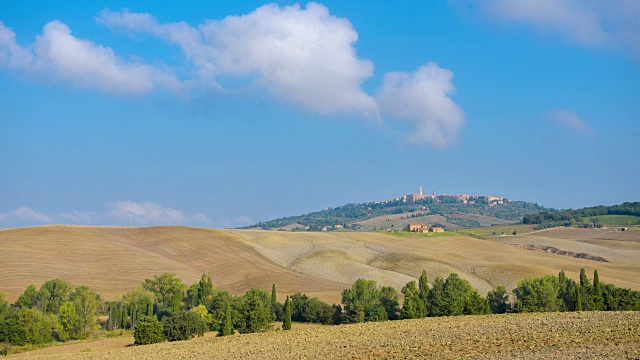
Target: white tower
{"type": "Point", "coordinates": [420, 190]}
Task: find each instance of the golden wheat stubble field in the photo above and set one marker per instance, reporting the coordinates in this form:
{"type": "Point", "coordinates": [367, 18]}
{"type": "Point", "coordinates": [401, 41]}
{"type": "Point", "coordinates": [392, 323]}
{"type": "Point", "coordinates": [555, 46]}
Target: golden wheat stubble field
{"type": "Point", "coordinates": [586, 335]}
{"type": "Point", "coordinates": [114, 260]}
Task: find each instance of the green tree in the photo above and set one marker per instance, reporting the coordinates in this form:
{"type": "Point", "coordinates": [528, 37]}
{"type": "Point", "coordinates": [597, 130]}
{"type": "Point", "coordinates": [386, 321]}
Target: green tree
{"type": "Point", "coordinates": [362, 302]}
{"type": "Point", "coordinates": [273, 294]}
{"type": "Point", "coordinates": [202, 311]}
{"type": "Point", "coordinates": [455, 296]}
{"type": "Point", "coordinates": [28, 298]}
{"type": "Point", "coordinates": [168, 290]}
{"type": "Point", "coordinates": [148, 330]}
{"type": "Point", "coordinates": [476, 304]}
{"type": "Point", "coordinates": [55, 293]}
{"type": "Point", "coordinates": [515, 232]}
{"type": "Point", "coordinates": [33, 327]}
{"type": "Point", "coordinates": [255, 312]}
{"type": "Point", "coordinates": [69, 322]}
{"type": "Point", "coordinates": [584, 281]}
{"type": "Point", "coordinates": [565, 292]}
{"type": "Point", "coordinates": [577, 299]}
{"type": "Point", "coordinates": [410, 302]}
{"type": "Point", "coordinates": [227, 325]}
{"type": "Point", "coordinates": [423, 294]}
{"type": "Point", "coordinates": [4, 305]}
{"type": "Point", "coordinates": [183, 325]}
{"type": "Point", "coordinates": [206, 290]}
{"type": "Point", "coordinates": [537, 295]}
{"type": "Point", "coordinates": [586, 292]}
{"type": "Point", "coordinates": [286, 323]}
{"type": "Point", "coordinates": [436, 298]}
{"type": "Point", "coordinates": [389, 301]}
{"type": "Point", "coordinates": [86, 303]}
{"type": "Point", "coordinates": [193, 298]}
{"type": "Point", "coordinates": [498, 300]}
{"type": "Point", "coordinates": [138, 303]}
{"type": "Point", "coordinates": [598, 300]}
{"type": "Point", "coordinates": [217, 307]}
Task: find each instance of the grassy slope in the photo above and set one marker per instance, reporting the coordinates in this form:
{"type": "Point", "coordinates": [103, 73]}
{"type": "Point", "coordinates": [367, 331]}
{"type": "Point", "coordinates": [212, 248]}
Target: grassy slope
{"type": "Point", "coordinates": [615, 219]}
{"type": "Point", "coordinates": [531, 336]}
{"type": "Point", "coordinates": [115, 260]}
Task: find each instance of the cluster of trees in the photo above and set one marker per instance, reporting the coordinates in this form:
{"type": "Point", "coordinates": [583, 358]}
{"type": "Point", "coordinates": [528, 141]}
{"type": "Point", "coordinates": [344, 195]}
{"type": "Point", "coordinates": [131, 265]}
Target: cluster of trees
{"type": "Point", "coordinates": [559, 293]}
{"type": "Point", "coordinates": [162, 308]}
{"type": "Point", "coordinates": [575, 217]}
{"type": "Point", "coordinates": [55, 311]}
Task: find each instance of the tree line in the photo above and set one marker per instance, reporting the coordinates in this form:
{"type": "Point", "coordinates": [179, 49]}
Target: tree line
{"type": "Point", "coordinates": [163, 308]}
{"type": "Point", "coordinates": [575, 217]}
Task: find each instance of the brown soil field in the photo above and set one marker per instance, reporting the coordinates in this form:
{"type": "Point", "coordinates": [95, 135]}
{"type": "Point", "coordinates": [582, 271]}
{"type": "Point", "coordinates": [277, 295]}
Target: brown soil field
{"type": "Point", "coordinates": [594, 335]}
{"type": "Point", "coordinates": [114, 260]}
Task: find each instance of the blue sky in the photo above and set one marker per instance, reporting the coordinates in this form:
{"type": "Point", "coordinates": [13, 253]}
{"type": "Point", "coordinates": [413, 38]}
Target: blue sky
{"type": "Point", "coordinates": [228, 113]}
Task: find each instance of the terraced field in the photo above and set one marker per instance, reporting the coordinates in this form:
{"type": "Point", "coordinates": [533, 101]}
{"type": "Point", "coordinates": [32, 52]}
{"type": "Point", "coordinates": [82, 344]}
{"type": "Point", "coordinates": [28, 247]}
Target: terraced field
{"type": "Point", "coordinates": [114, 260]}
{"type": "Point", "coordinates": [595, 335]}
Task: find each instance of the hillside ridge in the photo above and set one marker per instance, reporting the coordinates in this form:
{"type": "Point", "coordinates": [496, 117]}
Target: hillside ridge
{"type": "Point", "coordinates": [459, 211]}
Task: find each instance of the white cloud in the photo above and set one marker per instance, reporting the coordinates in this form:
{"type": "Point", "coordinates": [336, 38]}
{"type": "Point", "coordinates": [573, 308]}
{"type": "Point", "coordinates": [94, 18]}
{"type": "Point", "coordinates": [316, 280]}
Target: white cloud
{"type": "Point", "coordinates": [423, 99]}
{"type": "Point", "coordinates": [201, 218]}
{"type": "Point", "coordinates": [58, 55]}
{"type": "Point", "coordinates": [23, 214]}
{"type": "Point", "coordinates": [145, 213]}
{"type": "Point", "coordinates": [570, 121]}
{"type": "Point", "coordinates": [304, 56]}
{"type": "Point", "coordinates": [116, 213]}
{"type": "Point", "coordinates": [300, 55]}
{"type": "Point", "coordinates": [592, 23]}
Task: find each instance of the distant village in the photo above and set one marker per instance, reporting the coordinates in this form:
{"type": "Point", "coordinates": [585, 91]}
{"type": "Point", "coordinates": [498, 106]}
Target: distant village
{"type": "Point", "coordinates": [421, 200]}
{"type": "Point", "coordinates": [463, 198]}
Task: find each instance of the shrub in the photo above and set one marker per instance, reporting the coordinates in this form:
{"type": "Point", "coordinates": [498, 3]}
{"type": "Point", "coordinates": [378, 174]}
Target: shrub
{"type": "Point", "coordinates": [183, 325]}
{"type": "Point", "coordinates": [148, 330]}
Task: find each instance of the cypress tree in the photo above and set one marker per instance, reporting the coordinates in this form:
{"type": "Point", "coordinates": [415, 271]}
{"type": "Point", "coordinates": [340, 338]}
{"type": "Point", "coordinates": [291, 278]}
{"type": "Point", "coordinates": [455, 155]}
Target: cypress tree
{"type": "Point", "coordinates": [273, 293]}
{"type": "Point", "coordinates": [409, 305]}
{"type": "Point", "coordinates": [578, 301]}
{"type": "Point", "coordinates": [598, 300]}
{"type": "Point", "coordinates": [286, 322]}
{"type": "Point", "coordinates": [423, 294]}
{"type": "Point", "coordinates": [227, 326]}
{"type": "Point", "coordinates": [584, 281]}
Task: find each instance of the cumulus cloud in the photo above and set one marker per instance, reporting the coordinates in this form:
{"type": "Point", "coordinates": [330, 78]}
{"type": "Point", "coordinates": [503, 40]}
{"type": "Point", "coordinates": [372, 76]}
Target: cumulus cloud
{"type": "Point", "coordinates": [25, 214]}
{"type": "Point", "coordinates": [304, 56]}
{"type": "Point", "coordinates": [591, 23]}
{"type": "Point", "coordinates": [423, 99]}
{"type": "Point", "coordinates": [201, 218]}
{"type": "Point", "coordinates": [570, 121]}
{"type": "Point", "coordinates": [145, 213]}
{"type": "Point", "coordinates": [115, 213]}
{"type": "Point", "coordinates": [300, 55]}
{"type": "Point", "coordinates": [58, 55]}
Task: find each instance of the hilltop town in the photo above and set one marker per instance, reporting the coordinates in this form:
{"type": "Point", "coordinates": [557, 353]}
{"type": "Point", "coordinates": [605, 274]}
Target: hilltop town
{"type": "Point", "coordinates": [446, 211]}
{"type": "Point", "coordinates": [448, 198]}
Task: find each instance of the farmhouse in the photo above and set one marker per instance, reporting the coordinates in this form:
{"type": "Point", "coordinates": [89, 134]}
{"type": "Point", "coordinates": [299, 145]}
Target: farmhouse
{"type": "Point", "coordinates": [421, 228]}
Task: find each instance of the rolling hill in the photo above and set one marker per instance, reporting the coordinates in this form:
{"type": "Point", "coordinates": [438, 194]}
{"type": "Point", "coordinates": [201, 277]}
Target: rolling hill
{"type": "Point", "coordinates": [454, 212]}
{"type": "Point", "coordinates": [114, 260]}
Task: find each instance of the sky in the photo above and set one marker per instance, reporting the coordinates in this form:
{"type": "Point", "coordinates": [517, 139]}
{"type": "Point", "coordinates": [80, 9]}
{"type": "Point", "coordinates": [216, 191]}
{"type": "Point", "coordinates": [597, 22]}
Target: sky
{"type": "Point", "coordinates": [227, 113]}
